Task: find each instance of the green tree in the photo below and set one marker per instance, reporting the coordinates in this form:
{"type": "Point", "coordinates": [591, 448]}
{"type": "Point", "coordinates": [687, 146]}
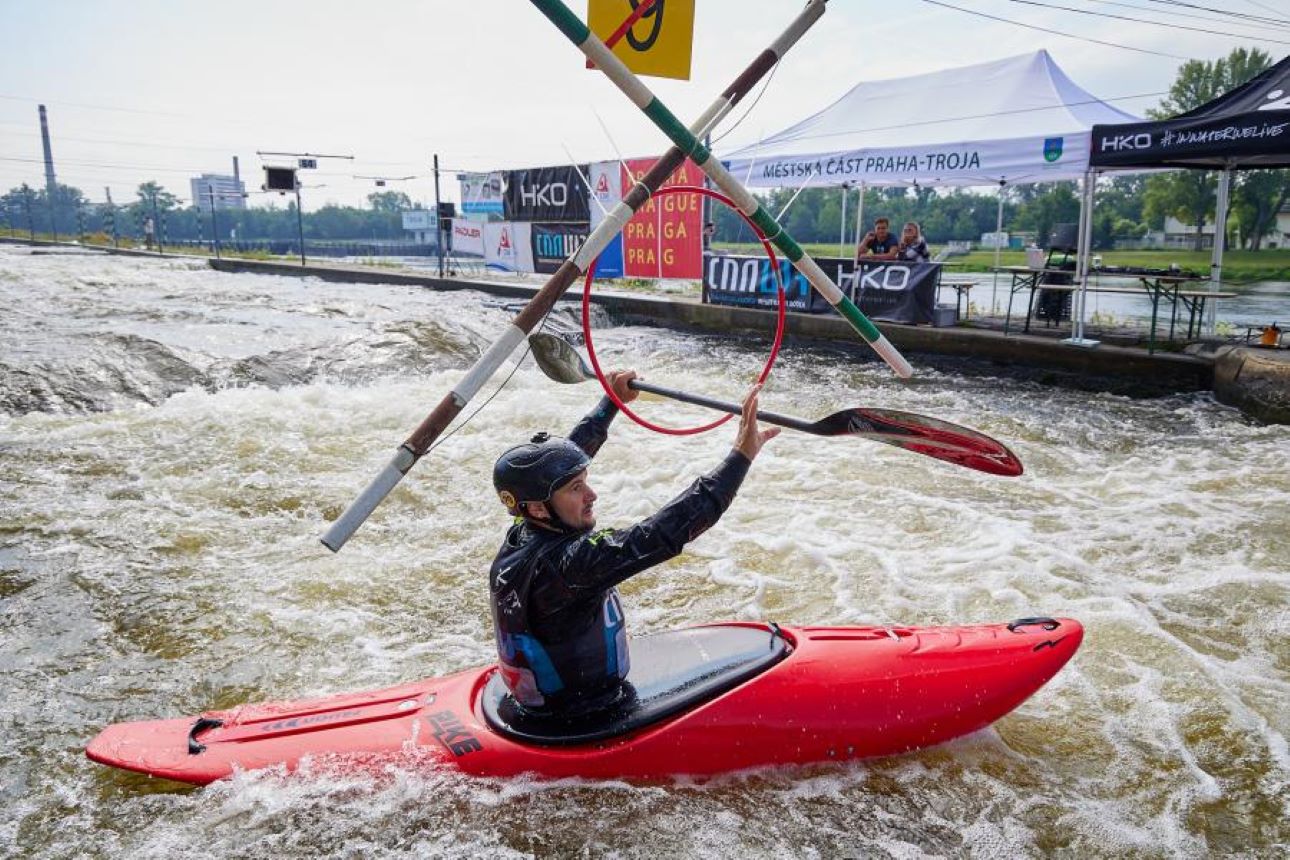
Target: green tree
{"type": "Point", "coordinates": [1190, 195]}
{"type": "Point", "coordinates": [1187, 195]}
{"type": "Point", "coordinates": [1059, 205]}
{"type": "Point", "coordinates": [165, 200]}
{"type": "Point", "coordinates": [1201, 81]}
{"type": "Point", "coordinates": [1257, 197]}
{"type": "Point", "coordinates": [389, 201]}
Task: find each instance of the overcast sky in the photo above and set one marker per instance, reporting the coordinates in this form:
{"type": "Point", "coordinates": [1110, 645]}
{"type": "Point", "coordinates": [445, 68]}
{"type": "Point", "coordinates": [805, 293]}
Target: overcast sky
{"type": "Point", "coordinates": [167, 89]}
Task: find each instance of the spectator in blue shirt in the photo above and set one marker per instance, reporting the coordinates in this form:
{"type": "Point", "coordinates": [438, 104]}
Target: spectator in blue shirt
{"type": "Point", "coordinates": [878, 243]}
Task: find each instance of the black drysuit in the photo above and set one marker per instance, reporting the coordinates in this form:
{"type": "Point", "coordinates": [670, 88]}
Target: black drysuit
{"type": "Point", "coordinates": [561, 636]}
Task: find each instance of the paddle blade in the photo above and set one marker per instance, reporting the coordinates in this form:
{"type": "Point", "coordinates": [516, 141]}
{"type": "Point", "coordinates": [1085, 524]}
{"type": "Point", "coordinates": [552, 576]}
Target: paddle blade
{"type": "Point", "coordinates": [558, 359]}
{"type": "Point", "coordinates": [922, 435]}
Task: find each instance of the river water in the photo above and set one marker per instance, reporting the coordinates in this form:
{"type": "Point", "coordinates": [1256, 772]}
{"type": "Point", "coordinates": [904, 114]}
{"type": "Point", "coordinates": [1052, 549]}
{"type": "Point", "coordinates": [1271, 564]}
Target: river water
{"type": "Point", "coordinates": [173, 441]}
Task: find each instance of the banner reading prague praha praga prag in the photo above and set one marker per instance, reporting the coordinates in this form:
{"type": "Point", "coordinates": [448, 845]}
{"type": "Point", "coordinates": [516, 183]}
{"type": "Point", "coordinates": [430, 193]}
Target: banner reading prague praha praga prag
{"type": "Point", "coordinates": [481, 196]}
{"type": "Point", "coordinates": [508, 245]}
{"type": "Point", "coordinates": [468, 237]}
{"type": "Point", "coordinates": [546, 194]}
{"type": "Point", "coordinates": [664, 239]}
{"type": "Point", "coordinates": [893, 291]}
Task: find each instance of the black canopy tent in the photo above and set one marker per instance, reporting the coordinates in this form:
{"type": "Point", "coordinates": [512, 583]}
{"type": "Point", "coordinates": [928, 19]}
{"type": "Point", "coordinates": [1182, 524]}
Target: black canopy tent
{"type": "Point", "coordinates": [1245, 129]}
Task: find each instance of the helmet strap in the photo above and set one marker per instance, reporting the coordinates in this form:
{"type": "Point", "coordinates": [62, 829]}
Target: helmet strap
{"type": "Point", "coordinates": [553, 521]}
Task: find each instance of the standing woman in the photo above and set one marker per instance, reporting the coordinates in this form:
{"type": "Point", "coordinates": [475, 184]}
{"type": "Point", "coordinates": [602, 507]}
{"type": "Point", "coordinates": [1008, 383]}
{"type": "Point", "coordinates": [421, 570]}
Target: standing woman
{"type": "Point", "coordinates": [912, 248]}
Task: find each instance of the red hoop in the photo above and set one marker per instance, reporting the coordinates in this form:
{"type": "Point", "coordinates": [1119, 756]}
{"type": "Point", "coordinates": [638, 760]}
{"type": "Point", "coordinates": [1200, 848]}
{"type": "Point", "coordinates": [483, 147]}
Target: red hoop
{"type": "Point", "coordinates": [779, 320]}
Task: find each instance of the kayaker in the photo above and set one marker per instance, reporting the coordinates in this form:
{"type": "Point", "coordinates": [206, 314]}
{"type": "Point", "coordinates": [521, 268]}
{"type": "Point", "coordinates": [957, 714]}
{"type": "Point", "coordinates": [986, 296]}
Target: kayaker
{"type": "Point", "coordinates": [561, 635]}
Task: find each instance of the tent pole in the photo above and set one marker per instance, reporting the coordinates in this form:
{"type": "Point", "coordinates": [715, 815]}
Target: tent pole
{"type": "Point", "coordinates": [998, 228]}
{"type": "Point", "coordinates": [1082, 255]}
{"type": "Point", "coordinates": [1220, 234]}
{"type": "Point", "coordinates": [842, 222]}
{"type": "Point", "coordinates": [859, 217]}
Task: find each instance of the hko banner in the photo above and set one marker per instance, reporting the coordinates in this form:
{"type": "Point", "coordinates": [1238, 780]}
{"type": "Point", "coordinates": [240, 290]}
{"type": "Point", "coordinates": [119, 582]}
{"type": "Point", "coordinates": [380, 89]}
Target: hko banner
{"type": "Point", "coordinates": [552, 194]}
{"type": "Point", "coordinates": [664, 239]}
{"type": "Point", "coordinates": [606, 178]}
{"type": "Point", "coordinates": [508, 246]}
{"type": "Point", "coordinates": [659, 44]}
{"type": "Point", "coordinates": [468, 237]}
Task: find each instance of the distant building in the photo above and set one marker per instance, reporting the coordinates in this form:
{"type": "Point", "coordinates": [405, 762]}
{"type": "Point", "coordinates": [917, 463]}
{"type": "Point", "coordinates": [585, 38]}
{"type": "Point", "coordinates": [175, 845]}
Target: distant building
{"type": "Point", "coordinates": [423, 225]}
{"type": "Point", "coordinates": [1176, 235]}
{"type": "Point", "coordinates": [228, 192]}
{"type": "Point", "coordinates": [1280, 235]}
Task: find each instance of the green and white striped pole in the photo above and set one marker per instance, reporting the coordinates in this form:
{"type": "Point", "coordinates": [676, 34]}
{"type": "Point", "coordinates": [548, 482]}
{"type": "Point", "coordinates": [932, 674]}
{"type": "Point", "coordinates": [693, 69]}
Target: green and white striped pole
{"type": "Point", "coordinates": [689, 142]}
{"type": "Point", "coordinates": [574, 268]}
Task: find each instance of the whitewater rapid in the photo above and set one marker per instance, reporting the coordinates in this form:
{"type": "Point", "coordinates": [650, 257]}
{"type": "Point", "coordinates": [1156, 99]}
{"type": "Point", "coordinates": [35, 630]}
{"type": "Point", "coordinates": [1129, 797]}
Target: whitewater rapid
{"type": "Point", "coordinates": [173, 441]}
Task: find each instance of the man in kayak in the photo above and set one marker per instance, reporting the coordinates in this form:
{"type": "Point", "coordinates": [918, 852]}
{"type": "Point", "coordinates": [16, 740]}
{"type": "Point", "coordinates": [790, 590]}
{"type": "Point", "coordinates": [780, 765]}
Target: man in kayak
{"type": "Point", "coordinates": [561, 635]}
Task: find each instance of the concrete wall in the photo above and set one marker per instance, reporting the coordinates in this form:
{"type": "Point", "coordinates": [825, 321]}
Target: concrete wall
{"type": "Point", "coordinates": [1257, 380]}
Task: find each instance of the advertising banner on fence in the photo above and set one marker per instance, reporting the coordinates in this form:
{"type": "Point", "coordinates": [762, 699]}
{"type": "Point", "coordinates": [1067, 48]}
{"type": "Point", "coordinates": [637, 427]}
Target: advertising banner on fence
{"type": "Point", "coordinates": [664, 239]}
{"type": "Point", "coordinates": [508, 246]}
{"type": "Point", "coordinates": [606, 178]}
{"type": "Point", "coordinates": [552, 243]}
{"type": "Point", "coordinates": [896, 292]}
{"type": "Point", "coordinates": [468, 237]}
{"type": "Point", "coordinates": [552, 194]}
{"type": "Point", "coordinates": [481, 196]}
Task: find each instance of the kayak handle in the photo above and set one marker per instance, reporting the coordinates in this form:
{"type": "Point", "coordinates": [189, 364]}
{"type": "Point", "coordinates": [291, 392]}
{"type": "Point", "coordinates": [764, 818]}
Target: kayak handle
{"type": "Point", "coordinates": [1049, 624]}
{"type": "Point", "coordinates": [202, 724]}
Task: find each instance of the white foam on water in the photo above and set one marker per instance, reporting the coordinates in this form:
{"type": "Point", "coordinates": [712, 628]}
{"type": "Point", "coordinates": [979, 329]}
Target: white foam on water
{"type": "Point", "coordinates": [159, 556]}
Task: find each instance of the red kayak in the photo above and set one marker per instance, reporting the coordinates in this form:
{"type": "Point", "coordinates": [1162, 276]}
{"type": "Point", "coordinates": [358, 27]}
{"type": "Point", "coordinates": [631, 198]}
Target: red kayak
{"type": "Point", "coordinates": [698, 701]}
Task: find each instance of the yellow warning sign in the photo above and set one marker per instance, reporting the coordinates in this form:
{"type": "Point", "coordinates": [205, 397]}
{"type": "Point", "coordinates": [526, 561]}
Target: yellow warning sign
{"type": "Point", "coordinates": [661, 41]}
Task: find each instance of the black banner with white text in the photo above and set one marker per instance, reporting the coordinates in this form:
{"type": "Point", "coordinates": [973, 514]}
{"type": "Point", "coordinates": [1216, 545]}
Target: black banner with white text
{"type": "Point", "coordinates": [554, 243]}
{"type": "Point", "coordinates": [546, 194]}
{"type": "Point", "coordinates": [891, 291]}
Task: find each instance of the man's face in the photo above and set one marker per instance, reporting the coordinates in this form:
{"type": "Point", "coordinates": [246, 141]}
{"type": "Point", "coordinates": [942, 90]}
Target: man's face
{"type": "Point", "coordinates": [880, 229]}
{"type": "Point", "coordinates": [574, 503]}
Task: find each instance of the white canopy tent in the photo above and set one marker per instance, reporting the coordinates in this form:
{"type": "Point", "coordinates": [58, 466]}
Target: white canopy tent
{"type": "Point", "coordinates": [1019, 119]}
{"type": "Point", "coordinates": [1010, 121]}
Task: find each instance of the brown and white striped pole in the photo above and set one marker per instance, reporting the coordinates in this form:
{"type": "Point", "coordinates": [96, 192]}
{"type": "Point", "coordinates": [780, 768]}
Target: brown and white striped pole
{"type": "Point", "coordinates": [573, 268]}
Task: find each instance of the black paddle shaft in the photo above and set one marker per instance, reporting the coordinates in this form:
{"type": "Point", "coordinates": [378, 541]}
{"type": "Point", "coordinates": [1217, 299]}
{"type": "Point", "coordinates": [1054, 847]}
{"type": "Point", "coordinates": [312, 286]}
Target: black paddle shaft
{"type": "Point", "coordinates": [724, 406]}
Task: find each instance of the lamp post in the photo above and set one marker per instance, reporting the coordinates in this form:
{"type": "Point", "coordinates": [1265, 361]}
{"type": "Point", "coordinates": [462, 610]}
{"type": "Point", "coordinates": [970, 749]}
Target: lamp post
{"type": "Point", "coordinates": [111, 214]}
{"type": "Point", "coordinates": [438, 221]}
{"type": "Point", "coordinates": [210, 189]}
{"type": "Point", "coordinates": [300, 224]}
{"type": "Point", "coordinates": [304, 161]}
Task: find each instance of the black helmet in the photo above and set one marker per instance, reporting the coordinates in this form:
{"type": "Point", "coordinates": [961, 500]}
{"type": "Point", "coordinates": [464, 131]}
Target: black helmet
{"type": "Point", "coordinates": [532, 472]}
